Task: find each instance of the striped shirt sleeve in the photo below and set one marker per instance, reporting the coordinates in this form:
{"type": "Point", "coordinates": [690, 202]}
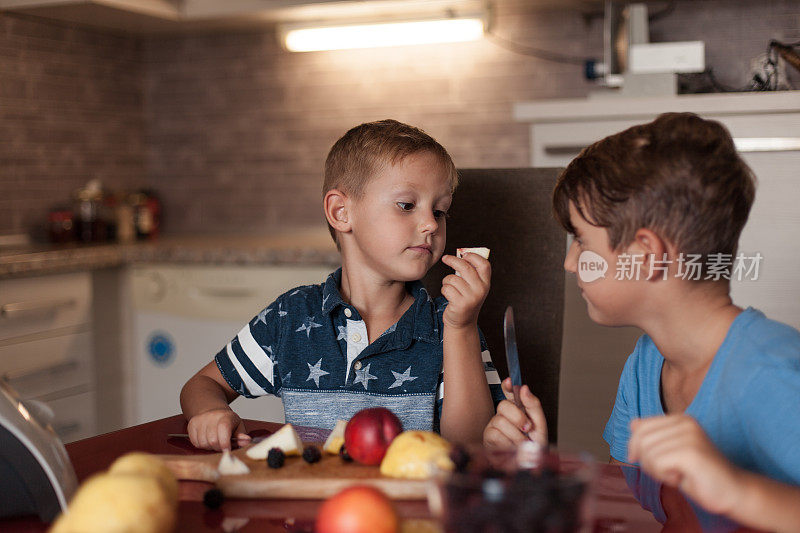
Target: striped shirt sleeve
{"type": "Point", "coordinates": [492, 379]}
{"type": "Point", "coordinates": [247, 362]}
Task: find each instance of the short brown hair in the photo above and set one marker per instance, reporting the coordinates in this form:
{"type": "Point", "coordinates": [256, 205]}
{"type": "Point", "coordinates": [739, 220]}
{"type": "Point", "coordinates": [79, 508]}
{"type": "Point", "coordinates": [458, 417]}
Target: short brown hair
{"type": "Point", "coordinates": [363, 150]}
{"type": "Point", "coordinates": [679, 176]}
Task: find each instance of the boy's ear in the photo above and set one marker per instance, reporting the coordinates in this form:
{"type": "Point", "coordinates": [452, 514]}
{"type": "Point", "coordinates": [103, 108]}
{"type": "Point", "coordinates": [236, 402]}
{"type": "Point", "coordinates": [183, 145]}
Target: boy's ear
{"type": "Point", "coordinates": [335, 204]}
{"type": "Point", "coordinates": [655, 252]}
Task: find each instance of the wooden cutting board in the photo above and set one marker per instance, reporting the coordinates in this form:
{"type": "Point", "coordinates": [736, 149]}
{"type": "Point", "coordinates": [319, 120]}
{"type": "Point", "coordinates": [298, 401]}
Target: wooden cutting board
{"type": "Point", "coordinates": [295, 480]}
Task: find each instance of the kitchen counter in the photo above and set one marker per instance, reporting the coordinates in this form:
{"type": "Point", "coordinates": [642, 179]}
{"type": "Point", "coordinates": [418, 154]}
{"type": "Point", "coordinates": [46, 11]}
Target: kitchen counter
{"type": "Point", "coordinates": [306, 246]}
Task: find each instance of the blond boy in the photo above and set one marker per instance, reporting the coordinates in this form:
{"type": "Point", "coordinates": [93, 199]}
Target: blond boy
{"type": "Point", "coordinates": [369, 335]}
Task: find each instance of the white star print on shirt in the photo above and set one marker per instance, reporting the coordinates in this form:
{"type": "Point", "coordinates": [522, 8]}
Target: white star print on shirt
{"type": "Point", "coordinates": [399, 378]}
{"type": "Point", "coordinates": [268, 351]}
{"type": "Point", "coordinates": [262, 316]}
{"type": "Point", "coordinates": [281, 312]}
{"type": "Point", "coordinates": [308, 325]}
{"type": "Point", "coordinates": [363, 376]}
{"type": "Point", "coordinates": [315, 372]}
{"type": "Point", "coordinates": [342, 333]}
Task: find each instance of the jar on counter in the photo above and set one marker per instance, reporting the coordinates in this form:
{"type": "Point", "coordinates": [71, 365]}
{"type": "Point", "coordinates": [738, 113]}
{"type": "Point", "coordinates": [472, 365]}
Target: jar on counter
{"type": "Point", "coordinates": [61, 225]}
{"type": "Point", "coordinates": [89, 226]}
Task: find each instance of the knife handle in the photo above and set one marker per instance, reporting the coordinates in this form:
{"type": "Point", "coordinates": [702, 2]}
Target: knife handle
{"type": "Point", "coordinates": [517, 397]}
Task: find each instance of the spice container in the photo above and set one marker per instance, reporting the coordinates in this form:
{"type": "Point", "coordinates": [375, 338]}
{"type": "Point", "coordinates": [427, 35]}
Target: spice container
{"type": "Point", "coordinates": [89, 227]}
{"type": "Point", "coordinates": [61, 226]}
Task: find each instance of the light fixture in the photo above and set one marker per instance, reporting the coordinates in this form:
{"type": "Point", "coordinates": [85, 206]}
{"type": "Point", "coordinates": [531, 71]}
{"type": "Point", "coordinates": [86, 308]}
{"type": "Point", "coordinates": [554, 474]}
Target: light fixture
{"type": "Point", "coordinates": [305, 37]}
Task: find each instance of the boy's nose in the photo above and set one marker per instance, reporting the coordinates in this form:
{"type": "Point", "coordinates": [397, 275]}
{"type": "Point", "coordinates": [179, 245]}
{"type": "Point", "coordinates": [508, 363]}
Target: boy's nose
{"type": "Point", "coordinates": [571, 260]}
{"type": "Point", "coordinates": [428, 224]}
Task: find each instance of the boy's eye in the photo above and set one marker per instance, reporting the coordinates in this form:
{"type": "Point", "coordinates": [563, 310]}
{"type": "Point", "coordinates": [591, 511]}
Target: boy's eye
{"type": "Point", "coordinates": [405, 206]}
{"type": "Point", "coordinates": [440, 214]}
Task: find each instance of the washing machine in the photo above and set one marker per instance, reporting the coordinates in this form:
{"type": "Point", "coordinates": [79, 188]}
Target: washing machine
{"type": "Point", "coordinates": [183, 315]}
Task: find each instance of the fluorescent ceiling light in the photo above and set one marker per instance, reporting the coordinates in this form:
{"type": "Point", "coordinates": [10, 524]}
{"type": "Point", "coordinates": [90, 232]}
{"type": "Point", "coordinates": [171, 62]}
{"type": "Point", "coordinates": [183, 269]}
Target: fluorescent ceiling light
{"type": "Point", "coordinates": [306, 38]}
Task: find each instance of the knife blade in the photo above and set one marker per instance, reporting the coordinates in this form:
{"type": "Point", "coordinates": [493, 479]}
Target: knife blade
{"type": "Point", "coordinates": [512, 356]}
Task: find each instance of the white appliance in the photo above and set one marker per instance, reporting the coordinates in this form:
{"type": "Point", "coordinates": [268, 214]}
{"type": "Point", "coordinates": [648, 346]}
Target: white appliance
{"type": "Point", "coordinates": [183, 315]}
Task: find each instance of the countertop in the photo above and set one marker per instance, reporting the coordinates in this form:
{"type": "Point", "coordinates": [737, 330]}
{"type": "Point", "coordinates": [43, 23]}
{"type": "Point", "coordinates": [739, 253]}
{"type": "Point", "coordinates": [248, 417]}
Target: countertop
{"type": "Point", "coordinates": [301, 246]}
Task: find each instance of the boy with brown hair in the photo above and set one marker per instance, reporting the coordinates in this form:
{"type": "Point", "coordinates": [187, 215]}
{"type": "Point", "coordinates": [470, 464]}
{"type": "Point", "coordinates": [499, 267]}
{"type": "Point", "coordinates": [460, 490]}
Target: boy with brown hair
{"type": "Point", "coordinates": [370, 335]}
{"type": "Point", "coordinates": [708, 400]}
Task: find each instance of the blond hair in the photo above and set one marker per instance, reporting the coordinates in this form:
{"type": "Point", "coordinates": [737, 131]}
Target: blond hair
{"type": "Point", "coordinates": [362, 151]}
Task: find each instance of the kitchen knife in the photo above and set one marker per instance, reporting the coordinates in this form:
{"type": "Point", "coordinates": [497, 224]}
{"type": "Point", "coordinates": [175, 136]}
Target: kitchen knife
{"type": "Point", "coordinates": [512, 356]}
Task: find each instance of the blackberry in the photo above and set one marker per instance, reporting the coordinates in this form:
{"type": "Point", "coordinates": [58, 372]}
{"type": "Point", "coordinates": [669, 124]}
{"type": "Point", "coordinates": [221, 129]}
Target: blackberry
{"type": "Point", "coordinates": [275, 458]}
{"type": "Point", "coordinates": [311, 454]}
{"type": "Point", "coordinates": [344, 455]}
{"type": "Point", "coordinates": [460, 458]}
{"type": "Point", "coordinates": [213, 498]}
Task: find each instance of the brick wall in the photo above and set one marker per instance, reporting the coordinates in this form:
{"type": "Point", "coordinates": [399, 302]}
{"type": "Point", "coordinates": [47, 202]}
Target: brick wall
{"type": "Point", "coordinates": [70, 110]}
{"type": "Point", "coordinates": [233, 131]}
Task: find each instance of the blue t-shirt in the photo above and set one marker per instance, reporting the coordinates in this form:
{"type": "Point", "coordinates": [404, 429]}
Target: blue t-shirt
{"type": "Point", "coordinates": [311, 348]}
{"type": "Point", "coordinates": [748, 403]}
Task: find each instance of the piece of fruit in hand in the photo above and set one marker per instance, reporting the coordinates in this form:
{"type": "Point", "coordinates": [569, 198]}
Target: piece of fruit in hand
{"type": "Point", "coordinates": [285, 438]}
{"type": "Point", "coordinates": [483, 252]}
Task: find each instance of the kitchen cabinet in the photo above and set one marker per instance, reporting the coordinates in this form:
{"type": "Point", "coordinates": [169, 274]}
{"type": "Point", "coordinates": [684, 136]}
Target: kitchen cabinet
{"type": "Point", "coordinates": [46, 347]}
{"type": "Point", "coordinates": [766, 128]}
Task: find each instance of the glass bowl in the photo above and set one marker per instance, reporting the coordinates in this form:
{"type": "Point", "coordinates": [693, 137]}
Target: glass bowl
{"type": "Point", "coordinates": [510, 490]}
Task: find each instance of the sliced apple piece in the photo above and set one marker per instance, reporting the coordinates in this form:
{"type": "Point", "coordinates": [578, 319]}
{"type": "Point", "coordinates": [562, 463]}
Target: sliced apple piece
{"type": "Point", "coordinates": [231, 466]}
{"type": "Point", "coordinates": [483, 252]}
{"type": "Point", "coordinates": [335, 440]}
{"type": "Point", "coordinates": [285, 438]}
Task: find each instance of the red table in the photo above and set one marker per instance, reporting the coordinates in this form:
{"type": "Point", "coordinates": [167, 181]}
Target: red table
{"type": "Point", "coordinates": [616, 508]}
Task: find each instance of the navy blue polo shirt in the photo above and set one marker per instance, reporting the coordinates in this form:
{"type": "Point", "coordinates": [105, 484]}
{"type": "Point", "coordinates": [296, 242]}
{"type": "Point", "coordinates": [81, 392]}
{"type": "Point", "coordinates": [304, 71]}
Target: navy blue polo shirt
{"type": "Point", "coordinates": [311, 348]}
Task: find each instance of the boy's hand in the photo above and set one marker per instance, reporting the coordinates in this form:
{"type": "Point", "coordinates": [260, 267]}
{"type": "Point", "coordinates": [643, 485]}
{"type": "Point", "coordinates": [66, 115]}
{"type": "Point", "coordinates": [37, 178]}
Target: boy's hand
{"type": "Point", "coordinates": [212, 430]}
{"type": "Point", "coordinates": [465, 293]}
{"type": "Point", "coordinates": [674, 449]}
{"type": "Point", "coordinates": [511, 425]}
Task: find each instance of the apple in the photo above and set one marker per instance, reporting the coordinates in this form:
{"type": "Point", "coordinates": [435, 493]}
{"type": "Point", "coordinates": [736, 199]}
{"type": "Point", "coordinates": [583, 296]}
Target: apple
{"type": "Point", "coordinates": [369, 433]}
{"type": "Point", "coordinates": [357, 509]}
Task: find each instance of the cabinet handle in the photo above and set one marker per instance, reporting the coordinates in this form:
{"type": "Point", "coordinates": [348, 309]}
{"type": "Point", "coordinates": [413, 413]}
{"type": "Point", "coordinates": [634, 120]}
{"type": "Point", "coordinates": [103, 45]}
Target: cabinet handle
{"type": "Point", "coordinates": [223, 292]}
{"type": "Point", "coordinates": [63, 430]}
{"type": "Point", "coordinates": [27, 373]}
{"type": "Point", "coordinates": [34, 308]}
{"type": "Point", "coordinates": [564, 149]}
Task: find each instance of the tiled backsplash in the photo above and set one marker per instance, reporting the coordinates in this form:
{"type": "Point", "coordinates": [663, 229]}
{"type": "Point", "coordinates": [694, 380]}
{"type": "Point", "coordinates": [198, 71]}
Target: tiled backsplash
{"type": "Point", "coordinates": [71, 109]}
{"type": "Point", "coordinates": [232, 130]}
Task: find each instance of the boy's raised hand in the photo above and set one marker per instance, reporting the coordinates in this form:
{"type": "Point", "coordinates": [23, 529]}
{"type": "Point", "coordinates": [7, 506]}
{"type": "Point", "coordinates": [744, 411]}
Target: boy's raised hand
{"type": "Point", "coordinates": [465, 293]}
{"type": "Point", "coordinates": [212, 430]}
{"type": "Point", "coordinates": [675, 450]}
{"type": "Point", "coordinates": [511, 425]}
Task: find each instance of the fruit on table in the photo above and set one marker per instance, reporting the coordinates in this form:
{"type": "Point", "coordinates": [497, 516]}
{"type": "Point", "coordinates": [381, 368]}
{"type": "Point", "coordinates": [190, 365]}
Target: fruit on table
{"type": "Point", "coordinates": [147, 464]}
{"type": "Point", "coordinates": [357, 509]}
{"type": "Point", "coordinates": [335, 440]}
{"type": "Point", "coordinates": [417, 455]}
{"type": "Point", "coordinates": [285, 438]}
{"type": "Point", "coordinates": [230, 465]}
{"type": "Point", "coordinates": [275, 458]}
{"type": "Point", "coordinates": [369, 433]}
{"type": "Point", "coordinates": [118, 503]}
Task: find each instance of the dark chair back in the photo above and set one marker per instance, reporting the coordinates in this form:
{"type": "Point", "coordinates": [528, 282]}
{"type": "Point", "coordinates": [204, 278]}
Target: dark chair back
{"type": "Point", "coordinates": [509, 211]}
